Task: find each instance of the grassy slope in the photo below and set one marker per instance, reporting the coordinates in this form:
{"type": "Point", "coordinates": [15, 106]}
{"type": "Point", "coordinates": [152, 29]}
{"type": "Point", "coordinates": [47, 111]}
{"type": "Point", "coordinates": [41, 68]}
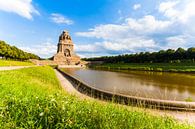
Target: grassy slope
{"type": "Point", "coordinates": [14, 63]}
{"type": "Point", "coordinates": [170, 67]}
{"type": "Point", "coordinates": [32, 98]}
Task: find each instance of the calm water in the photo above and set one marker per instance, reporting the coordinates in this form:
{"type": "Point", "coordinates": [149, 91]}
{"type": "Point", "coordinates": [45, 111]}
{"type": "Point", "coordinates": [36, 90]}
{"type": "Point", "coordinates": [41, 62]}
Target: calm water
{"type": "Point", "coordinates": [158, 85]}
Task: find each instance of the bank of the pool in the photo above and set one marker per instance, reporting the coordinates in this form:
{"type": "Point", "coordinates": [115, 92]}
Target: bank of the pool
{"type": "Point", "coordinates": [160, 67]}
{"type": "Point", "coordinates": [125, 99]}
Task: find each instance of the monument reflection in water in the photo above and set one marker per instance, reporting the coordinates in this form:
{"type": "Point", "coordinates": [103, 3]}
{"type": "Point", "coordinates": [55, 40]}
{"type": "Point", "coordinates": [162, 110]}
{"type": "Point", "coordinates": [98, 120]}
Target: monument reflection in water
{"type": "Point", "coordinates": [157, 85]}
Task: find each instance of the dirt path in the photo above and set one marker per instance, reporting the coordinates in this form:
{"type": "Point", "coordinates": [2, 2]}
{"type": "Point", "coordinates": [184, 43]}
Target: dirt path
{"type": "Point", "coordinates": [13, 67]}
{"type": "Point", "coordinates": [188, 117]}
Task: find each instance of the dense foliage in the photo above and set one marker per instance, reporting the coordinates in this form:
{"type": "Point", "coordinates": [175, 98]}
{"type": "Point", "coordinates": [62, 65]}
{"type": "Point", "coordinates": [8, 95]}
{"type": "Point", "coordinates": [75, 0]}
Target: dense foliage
{"type": "Point", "coordinates": [12, 52]}
{"type": "Point", "coordinates": [41, 103]}
{"type": "Point", "coordinates": [163, 56]}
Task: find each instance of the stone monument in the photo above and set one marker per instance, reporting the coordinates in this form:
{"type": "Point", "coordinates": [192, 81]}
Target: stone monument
{"type": "Point", "coordinates": [65, 52]}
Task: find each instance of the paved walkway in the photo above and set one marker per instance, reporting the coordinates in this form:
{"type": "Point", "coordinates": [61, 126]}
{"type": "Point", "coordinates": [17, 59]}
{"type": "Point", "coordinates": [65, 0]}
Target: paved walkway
{"type": "Point", "coordinates": [13, 67]}
{"type": "Point", "coordinates": [181, 116]}
{"type": "Point", "coordinates": [188, 117]}
{"type": "Point", "coordinates": [68, 86]}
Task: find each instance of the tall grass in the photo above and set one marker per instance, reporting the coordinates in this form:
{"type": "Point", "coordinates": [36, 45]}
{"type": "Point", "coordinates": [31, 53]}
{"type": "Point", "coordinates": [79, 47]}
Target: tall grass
{"type": "Point", "coordinates": [14, 63]}
{"type": "Point", "coordinates": [33, 98]}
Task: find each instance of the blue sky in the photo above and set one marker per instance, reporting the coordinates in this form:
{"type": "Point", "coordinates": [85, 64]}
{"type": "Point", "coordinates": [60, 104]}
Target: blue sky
{"type": "Point", "coordinates": [98, 27]}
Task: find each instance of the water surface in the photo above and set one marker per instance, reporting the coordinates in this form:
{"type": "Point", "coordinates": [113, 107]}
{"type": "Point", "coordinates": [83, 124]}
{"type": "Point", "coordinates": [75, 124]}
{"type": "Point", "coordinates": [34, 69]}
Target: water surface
{"type": "Point", "coordinates": [157, 85]}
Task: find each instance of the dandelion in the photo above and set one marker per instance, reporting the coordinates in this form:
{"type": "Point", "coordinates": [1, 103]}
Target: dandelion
{"type": "Point", "coordinates": [41, 114]}
{"type": "Point", "coordinates": [53, 100]}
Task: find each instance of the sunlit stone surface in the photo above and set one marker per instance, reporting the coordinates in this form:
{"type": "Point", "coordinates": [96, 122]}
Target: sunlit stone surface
{"type": "Point", "coordinates": [65, 52]}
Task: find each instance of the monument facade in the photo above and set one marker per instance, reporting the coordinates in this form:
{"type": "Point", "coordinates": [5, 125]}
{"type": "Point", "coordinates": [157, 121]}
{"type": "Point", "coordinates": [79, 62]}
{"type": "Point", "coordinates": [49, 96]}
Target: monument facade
{"type": "Point", "coordinates": [65, 51]}
{"type": "Point", "coordinates": [65, 56]}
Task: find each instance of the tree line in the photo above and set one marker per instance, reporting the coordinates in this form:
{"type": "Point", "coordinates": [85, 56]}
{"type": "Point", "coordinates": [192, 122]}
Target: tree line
{"type": "Point", "coordinates": [12, 52]}
{"type": "Point", "coordinates": [162, 56]}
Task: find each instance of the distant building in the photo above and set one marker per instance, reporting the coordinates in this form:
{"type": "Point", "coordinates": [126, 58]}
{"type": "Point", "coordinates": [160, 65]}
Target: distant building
{"type": "Point", "coordinates": [65, 52]}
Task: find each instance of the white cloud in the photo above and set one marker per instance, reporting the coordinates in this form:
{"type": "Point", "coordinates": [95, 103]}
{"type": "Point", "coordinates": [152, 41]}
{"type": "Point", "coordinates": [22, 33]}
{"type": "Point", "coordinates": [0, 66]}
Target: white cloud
{"type": "Point", "coordinates": [129, 44]}
{"type": "Point", "coordinates": [179, 10]}
{"type": "Point", "coordinates": [60, 19]}
{"type": "Point", "coordinates": [177, 41]}
{"type": "Point", "coordinates": [136, 6]}
{"type": "Point", "coordinates": [180, 39]}
{"type": "Point", "coordinates": [23, 8]}
{"type": "Point", "coordinates": [167, 8]}
{"type": "Point", "coordinates": [173, 29]}
{"type": "Point", "coordinates": [44, 50]}
{"type": "Point", "coordinates": [146, 25]}
{"type": "Point", "coordinates": [88, 47]}
{"type": "Point", "coordinates": [105, 31]}
{"type": "Point", "coordinates": [128, 36]}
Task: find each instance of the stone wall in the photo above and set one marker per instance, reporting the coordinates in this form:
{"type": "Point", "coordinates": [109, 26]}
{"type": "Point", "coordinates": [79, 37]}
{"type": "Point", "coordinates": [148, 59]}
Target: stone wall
{"type": "Point", "coordinates": [128, 100]}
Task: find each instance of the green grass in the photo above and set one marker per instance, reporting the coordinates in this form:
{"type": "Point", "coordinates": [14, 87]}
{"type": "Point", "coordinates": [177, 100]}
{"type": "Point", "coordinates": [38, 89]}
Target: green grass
{"type": "Point", "coordinates": [167, 67]}
{"type": "Point", "coordinates": [14, 63]}
{"type": "Point", "coordinates": [33, 98]}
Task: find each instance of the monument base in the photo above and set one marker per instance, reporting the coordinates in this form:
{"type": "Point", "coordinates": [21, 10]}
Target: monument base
{"type": "Point", "coordinates": [62, 60]}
